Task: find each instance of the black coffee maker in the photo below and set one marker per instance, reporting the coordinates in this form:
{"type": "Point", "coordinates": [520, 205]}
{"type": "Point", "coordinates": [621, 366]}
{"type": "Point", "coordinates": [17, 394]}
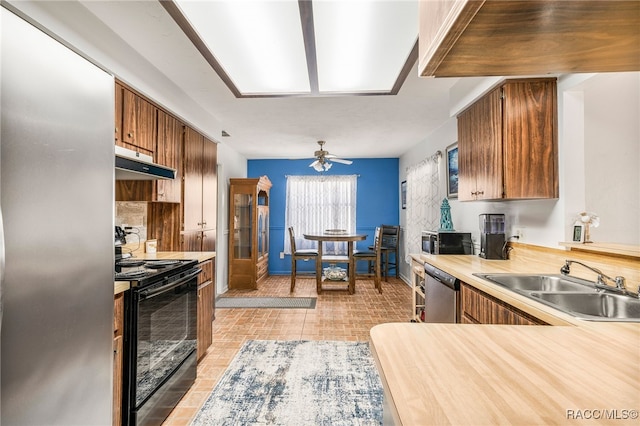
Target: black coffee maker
{"type": "Point", "coordinates": [492, 237]}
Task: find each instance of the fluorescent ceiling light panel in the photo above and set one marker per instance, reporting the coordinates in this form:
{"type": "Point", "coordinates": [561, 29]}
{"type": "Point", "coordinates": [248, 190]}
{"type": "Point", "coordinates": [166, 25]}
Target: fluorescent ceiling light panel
{"type": "Point", "coordinates": [258, 43]}
{"type": "Point", "coordinates": [363, 45]}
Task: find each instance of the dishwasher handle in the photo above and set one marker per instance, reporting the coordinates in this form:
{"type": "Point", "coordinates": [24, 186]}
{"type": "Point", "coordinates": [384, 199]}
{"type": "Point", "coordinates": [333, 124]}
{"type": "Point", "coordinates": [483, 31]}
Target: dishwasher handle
{"type": "Point", "coordinates": [442, 277]}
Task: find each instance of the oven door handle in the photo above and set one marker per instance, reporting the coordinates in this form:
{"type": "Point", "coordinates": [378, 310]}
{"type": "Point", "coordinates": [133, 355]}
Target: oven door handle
{"type": "Point", "coordinates": [148, 294]}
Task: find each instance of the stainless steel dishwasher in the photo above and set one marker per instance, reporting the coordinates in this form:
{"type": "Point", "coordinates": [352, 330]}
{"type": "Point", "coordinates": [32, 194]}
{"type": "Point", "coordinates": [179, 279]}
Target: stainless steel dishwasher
{"type": "Point", "coordinates": [442, 296]}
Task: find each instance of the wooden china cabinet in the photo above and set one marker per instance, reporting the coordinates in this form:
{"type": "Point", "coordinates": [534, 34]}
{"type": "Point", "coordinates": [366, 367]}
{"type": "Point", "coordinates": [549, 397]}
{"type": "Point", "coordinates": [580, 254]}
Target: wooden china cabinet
{"type": "Point", "coordinates": [248, 232]}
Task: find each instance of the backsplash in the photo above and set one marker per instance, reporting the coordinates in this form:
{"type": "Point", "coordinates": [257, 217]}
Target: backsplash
{"type": "Point", "coordinates": [134, 214]}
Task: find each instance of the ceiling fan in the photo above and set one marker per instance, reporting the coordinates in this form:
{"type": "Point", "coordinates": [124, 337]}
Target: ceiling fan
{"type": "Point", "coordinates": [323, 160]}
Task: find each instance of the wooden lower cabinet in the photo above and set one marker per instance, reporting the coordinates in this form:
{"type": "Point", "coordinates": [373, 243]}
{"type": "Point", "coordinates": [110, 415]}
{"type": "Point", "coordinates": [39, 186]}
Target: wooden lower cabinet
{"type": "Point", "coordinates": [206, 306]}
{"type": "Point", "coordinates": [118, 328]}
{"type": "Point", "coordinates": [478, 307]}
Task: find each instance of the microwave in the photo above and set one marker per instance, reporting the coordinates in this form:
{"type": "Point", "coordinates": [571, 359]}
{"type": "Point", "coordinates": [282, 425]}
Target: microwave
{"type": "Point", "coordinates": [446, 242]}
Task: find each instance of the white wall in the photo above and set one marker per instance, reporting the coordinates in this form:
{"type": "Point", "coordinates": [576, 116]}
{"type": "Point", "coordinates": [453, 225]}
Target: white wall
{"type": "Point", "coordinates": [230, 165]}
{"type": "Point", "coordinates": [598, 141]}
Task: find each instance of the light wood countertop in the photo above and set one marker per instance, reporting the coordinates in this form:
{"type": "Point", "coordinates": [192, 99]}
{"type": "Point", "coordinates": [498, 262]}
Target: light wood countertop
{"type": "Point", "coordinates": [200, 256]}
{"type": "Point", "coordinates": [459, 374]}
{"type": "Point", "coordinates": [464, 374]}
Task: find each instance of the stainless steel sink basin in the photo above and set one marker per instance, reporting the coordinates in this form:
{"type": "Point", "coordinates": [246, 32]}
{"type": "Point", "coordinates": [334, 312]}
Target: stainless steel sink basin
{"type": "Point", "coordinates": [579, 298]}
{"type": "Point", "coordinates": [528, 282]}
{"type": "Point", "coordinates": [599, 306]}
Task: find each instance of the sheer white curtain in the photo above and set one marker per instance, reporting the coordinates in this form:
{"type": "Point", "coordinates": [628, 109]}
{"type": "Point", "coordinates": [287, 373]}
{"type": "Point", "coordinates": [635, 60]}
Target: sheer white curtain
{"type": "Point", "coordinates": [316, 203]}
{"type": "Point", "coordinates": [423, 202]}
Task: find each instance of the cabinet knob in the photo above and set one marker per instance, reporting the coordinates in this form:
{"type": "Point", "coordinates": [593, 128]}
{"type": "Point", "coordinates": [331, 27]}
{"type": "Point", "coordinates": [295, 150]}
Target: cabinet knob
{"type": "Point", "coordinates": [130, 135]}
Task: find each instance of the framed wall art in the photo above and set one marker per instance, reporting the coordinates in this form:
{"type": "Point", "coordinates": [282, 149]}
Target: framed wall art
{"type": "Point", "coordinates": [452, 171]}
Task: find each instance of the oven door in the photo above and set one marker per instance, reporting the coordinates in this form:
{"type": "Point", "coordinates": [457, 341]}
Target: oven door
{"type": "Point", "coordinates": [163, 347]}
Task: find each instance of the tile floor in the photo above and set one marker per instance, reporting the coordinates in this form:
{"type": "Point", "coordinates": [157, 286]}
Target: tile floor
{"type": "Point", "coordinates": [337, 316]}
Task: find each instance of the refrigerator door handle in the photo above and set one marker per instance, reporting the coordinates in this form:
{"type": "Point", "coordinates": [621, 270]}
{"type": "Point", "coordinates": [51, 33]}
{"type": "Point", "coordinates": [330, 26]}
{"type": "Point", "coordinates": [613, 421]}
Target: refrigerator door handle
{"type": "Point", "coordinates": [2, 260]}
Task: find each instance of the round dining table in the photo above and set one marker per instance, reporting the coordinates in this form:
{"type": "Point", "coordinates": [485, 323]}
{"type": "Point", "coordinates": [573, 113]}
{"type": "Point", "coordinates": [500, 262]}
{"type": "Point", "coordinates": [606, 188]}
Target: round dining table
{"type": "Point", "coordinates": [336, 237]}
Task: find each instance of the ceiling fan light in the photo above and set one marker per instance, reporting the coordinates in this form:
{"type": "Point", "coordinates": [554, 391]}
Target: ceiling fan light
{"type": "Point", "coordinates": [317, 166]}
{"type": "Point", "coordinates": [327, 166]}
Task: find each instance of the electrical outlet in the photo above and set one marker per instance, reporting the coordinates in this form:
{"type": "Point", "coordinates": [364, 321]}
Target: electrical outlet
{"type": "Point", "coordinates": [281, 255]}
{"type": "Point", "coordinates": [519, 232]}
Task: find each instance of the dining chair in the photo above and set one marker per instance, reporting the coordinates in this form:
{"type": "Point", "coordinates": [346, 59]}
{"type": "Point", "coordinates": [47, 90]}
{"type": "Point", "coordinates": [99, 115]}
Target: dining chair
{"type": "Point", "coordinates": [390, 243]}
{"type": "Point", "coordinates": [306, 254]}
{"type": "Point", "coordinates": [374, 255]}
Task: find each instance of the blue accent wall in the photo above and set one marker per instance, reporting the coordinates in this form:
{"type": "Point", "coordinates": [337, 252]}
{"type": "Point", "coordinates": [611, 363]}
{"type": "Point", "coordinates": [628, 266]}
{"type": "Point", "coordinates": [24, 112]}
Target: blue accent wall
{"type": "Point", "coordinates": [378, 200]}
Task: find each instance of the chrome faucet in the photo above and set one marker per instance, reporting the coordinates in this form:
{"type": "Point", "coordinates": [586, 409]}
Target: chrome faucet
{"type": "Point", "coordinates": [600, 280]}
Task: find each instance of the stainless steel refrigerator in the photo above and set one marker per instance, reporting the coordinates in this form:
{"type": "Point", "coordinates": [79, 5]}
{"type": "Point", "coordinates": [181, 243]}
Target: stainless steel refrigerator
{"type": "Point", "coordinates": [57, 201]}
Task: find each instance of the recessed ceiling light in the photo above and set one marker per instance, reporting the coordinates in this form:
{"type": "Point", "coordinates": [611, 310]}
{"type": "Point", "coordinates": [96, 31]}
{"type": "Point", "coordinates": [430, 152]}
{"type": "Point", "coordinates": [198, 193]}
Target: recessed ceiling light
{"type": "Point", "coordinates": [263, 48]}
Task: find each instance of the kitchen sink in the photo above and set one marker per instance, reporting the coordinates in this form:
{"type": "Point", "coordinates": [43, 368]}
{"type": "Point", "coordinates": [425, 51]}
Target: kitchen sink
{"type": "Point", "coordinates": [574, 296]}
{"type": "Point", "coordinates": [528, 282]}
{"type": "Point", "coordinates": [607, 306]}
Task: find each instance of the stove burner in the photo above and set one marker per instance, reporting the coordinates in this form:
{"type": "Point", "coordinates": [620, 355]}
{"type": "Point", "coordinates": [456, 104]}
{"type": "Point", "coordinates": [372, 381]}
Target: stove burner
{"type": "Point", "coordinates": [132, 275]}
{"type": "Point", "coordinates": [158, 264]}
{"type": "Point", "coordinates": [130, 262]}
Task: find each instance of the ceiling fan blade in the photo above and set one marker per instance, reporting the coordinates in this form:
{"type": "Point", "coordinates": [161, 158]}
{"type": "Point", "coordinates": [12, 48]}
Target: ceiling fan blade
{"type": "Point", "coordinates": [340, 160]}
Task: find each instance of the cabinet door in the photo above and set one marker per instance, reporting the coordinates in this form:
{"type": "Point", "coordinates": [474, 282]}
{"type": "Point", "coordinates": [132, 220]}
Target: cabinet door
{"type": "Point", "coordinates": [466, 145]}
{"type": "Point", "coordinates": [206, 295]}
{"type": "Point", "coordinates": [209, 184]}
{"type": "Point", "coordinates": [169, 153]}
{"type": "Point", "coordinates": [478, 307]}
{"type": "Point", "coordinates": [488, 147]}
{"type": "Point", "coordinates": [480, 149]}
{"type": "Point", "coordinates": [118, 116]}
{"type": "Point", "coordinates": [530, 139]}
{"type": "Point", "coordinates": [192, 180]}
{"type": "Point", "coordinates": [192, 241]}
{"type": "Point", "coordinates": [138, 122]}
{"type": "Point", "coordinates": [242, 226]}
{"type": "Point", "coordinates": [209, 240]}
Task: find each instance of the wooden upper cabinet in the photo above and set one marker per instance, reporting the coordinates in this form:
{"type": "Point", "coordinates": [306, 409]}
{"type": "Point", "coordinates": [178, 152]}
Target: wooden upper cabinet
{"type": "Point", "coordinates": [507, 143]}
{"type": "Point", "coordinates": [209, 184]}
{"type": "Point", "coordinates": [192, 180]}
{"type": "Point", "coordinates": [464, 38]}
{"type": "Point", "coordinates": [530, 139]}
{"type": "Point", "coordinates": [169, 153]}
{"type": "Point", "coordinates": [199, 192]}
{"type": "Point", "coordinates": [135, 126]}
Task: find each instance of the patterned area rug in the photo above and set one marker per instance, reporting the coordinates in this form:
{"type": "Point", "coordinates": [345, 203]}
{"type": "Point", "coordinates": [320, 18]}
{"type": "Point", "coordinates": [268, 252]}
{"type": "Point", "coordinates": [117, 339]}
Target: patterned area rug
{"type": "Point", "coordinates": [297, 383]}
{"type": "Point", "coordinates": [267, 302]}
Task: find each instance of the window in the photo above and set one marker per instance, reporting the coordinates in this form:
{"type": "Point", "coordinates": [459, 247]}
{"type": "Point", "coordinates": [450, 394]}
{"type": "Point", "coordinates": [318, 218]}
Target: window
{"type": "Point", "coordinates": [316, 203]}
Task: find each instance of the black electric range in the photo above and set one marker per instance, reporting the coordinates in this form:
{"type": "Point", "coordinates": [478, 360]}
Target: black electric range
{"type": "Point", "coordinates": [160, 336]}
{"type": "Point", "coordinates": [142, 273]}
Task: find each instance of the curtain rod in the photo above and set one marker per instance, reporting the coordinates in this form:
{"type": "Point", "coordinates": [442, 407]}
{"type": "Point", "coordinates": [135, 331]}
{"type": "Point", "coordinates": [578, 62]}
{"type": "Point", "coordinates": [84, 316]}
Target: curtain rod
{"type": "Point", "coordinates": [433, 157]}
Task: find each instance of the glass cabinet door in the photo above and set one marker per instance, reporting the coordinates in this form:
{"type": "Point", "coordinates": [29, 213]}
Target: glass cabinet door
{"type": "Point", "coordinates": [263, 230]}
{"type": "Point", "coordinates": [243, 225]}
{"type": "Point", "coordinates": [260, 232]}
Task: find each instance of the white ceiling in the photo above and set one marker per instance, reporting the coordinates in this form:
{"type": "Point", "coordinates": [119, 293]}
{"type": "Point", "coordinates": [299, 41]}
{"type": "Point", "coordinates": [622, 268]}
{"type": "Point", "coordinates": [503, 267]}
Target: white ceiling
{"type": "Point", "coordinates": [288, 127]}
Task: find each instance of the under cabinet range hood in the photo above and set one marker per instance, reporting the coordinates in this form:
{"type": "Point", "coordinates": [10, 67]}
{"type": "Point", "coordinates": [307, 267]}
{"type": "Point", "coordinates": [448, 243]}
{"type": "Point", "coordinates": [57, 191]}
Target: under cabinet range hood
{"type": "Point", "coordinates": [132, 165]}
